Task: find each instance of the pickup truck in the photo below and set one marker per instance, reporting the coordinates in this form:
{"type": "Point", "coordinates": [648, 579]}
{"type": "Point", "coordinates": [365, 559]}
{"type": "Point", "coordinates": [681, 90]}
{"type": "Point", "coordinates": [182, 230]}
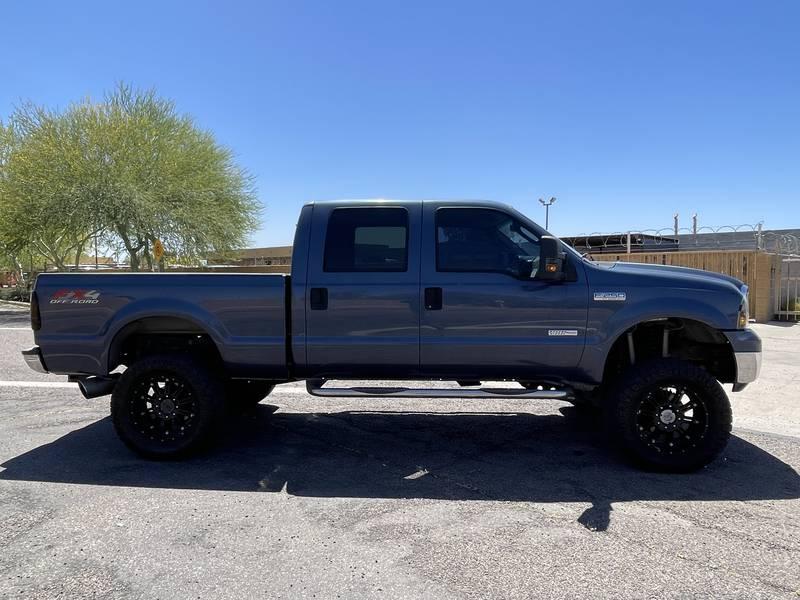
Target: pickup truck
{"type": "Point", "coordinates": [463, 292]}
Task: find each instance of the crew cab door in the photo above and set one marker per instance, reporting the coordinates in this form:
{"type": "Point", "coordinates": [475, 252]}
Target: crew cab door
{"type": "Point", "coordinates": [484, 315]}
{"type": "Point", "coordinates": [362, 290]}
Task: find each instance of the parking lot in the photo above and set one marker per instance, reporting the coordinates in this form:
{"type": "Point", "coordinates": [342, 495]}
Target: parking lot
{"type": "Point", "coordinates": [325, 498]}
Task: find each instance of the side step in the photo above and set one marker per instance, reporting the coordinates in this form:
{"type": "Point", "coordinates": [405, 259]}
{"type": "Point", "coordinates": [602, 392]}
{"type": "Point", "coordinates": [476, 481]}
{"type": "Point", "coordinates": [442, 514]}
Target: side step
{"type": "Point", "coordinates": [316, 388]}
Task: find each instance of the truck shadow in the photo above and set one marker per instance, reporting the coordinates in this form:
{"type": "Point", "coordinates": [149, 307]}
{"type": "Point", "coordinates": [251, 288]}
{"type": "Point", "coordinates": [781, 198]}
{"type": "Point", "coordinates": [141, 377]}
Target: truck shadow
{"type": "Point", "coordinates": [455, 456]}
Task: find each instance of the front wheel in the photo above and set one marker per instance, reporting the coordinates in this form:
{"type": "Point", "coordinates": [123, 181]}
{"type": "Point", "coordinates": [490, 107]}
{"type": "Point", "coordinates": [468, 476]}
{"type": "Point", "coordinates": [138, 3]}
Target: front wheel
{"type": "Point", "coordinates": [669, 415]}
{"type": "Point", "coordinates": [167, 406]}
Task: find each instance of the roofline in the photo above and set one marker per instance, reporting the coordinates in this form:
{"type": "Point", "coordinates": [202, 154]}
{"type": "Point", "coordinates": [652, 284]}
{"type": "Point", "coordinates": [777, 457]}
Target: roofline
{"type": "Point", "coordinates": [409, 201]}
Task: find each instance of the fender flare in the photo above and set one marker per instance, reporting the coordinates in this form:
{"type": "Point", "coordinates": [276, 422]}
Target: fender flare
{"type": "Point", "coordinates": [595, 356]}
{"type": "Point", "coordinates": [161, 307]}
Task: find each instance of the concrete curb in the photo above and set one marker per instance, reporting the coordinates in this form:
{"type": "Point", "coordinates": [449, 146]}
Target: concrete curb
{"type": "Point", "coordinates": [15, 303]}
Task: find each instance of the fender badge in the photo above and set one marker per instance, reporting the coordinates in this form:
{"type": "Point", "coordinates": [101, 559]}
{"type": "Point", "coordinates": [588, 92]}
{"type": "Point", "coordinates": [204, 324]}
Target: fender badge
{"type": "Point", "coordinates": [610, 297]}
{"type": "Point", "coordinates": [563, 332]}
{"type": "Point", "coordinates": [75, 297]}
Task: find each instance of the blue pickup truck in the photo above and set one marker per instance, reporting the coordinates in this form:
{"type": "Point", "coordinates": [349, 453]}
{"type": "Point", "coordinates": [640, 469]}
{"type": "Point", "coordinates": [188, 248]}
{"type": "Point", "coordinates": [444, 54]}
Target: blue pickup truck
{"type": "Point", "coordinates": [464, 292]}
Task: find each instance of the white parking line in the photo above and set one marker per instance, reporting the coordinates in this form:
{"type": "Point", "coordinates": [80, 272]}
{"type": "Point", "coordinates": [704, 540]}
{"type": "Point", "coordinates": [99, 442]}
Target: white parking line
{"type": "Point", "coordinates": [15, 328]}
{"type": "Point", "coordinates": [38, 384]}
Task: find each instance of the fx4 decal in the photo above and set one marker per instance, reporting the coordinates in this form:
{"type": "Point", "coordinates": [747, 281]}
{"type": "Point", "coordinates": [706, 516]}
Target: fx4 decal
{"type": "Point", "coordinates": [75, 297]}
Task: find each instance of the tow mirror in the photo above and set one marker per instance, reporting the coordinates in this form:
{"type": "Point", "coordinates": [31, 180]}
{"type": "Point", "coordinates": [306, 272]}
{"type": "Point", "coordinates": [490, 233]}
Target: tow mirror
{"type": "Point", "coordinates": [551, 260]}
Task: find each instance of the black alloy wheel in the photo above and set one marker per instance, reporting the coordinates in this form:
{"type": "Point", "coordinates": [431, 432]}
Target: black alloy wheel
{"type": "Point", "coordinates": [164, 407]}
{"type": "Point", "coordinates": [167, 406]}
{"type": "Point", "coordinates": [672, 419]}
{"type": "Point", "coordinates": [669, 415]}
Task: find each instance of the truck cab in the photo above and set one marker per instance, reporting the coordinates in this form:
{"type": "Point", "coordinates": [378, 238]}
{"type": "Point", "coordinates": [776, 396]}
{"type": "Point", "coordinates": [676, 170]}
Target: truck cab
{"type": "Point", "coordinates": [436, 290]}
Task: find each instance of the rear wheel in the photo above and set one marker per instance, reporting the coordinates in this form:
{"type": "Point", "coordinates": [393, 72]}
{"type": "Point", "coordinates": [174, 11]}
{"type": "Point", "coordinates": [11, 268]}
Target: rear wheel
{"type": "Point", "coordinates": [166, 406]}
{"type": "Point", "coordinates": [670, 415]}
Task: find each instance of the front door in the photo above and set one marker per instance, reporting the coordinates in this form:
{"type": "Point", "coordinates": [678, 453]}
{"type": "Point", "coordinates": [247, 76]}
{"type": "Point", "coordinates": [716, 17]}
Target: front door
{"type": "Point", "coordinates": [362, 301]}
{"type": "Point", "coordinates": [485, 315]}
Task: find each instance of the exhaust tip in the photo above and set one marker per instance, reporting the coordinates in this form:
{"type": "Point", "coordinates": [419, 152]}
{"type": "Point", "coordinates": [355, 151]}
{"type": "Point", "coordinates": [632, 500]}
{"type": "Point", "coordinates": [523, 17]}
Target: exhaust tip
{"type": "Point", "coordinates": [94, 387]}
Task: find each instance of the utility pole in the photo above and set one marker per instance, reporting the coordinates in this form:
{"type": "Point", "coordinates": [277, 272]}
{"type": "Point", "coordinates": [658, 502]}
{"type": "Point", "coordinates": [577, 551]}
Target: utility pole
{"type": "Point", "coordinates": [547, 206]}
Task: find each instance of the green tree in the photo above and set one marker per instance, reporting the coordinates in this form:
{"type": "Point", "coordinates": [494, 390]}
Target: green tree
{"type": "Point", "coordinates": [40, 203]}
{"type": "Point", "coordinates": [129, 169]}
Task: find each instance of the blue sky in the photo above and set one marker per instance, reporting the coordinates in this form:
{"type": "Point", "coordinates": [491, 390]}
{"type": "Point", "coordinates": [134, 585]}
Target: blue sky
{"type": "Point", "coordinates": [625, 111]}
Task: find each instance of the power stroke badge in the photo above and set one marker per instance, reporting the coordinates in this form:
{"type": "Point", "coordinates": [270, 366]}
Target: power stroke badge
{"type": "Point", "coordinates": [75, 297]}
{"type": "Point", "coordinates": [562, 332]}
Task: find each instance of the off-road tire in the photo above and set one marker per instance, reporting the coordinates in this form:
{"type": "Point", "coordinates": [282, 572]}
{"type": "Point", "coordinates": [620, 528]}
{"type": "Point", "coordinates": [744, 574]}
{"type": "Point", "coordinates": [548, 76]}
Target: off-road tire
{"type": "Point", "coordinates": [173, 421]}
{"type": "Point", "coordinates": [638, 408]}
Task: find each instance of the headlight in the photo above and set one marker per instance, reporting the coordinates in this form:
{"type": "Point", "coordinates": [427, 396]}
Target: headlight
{"type": "Point", "coordinates": [744, 310]}
{"type": "Point", "coordinates": [744, 318]}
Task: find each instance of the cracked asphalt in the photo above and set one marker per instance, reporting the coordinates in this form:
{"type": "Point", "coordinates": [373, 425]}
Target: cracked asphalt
{"type": "Point", "coordinates": [333, 498]}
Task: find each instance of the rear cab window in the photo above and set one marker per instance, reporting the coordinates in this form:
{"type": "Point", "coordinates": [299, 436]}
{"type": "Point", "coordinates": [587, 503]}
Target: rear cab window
{"type": "Point", "coordinates": [366, 240]}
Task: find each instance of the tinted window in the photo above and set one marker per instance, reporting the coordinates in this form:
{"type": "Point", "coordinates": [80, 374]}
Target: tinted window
{"type": "Point", "coordinates": [478, 239]}
{"type": "Point", "coordinates": [367, 239]}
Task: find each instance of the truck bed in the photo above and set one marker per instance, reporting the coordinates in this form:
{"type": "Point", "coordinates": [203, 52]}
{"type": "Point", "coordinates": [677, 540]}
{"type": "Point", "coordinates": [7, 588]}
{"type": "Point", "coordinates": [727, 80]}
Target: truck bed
{"type": "Point", "coordinates": [84, 315]}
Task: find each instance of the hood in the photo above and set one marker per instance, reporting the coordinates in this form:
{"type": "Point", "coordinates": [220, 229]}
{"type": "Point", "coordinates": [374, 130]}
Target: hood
{"type": "Point", "coordinates": [683, 274]}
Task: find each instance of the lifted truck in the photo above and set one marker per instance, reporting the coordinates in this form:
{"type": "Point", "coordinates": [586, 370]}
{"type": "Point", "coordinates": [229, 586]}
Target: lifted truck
{"type": "Point", "coordinates": [393, 290]}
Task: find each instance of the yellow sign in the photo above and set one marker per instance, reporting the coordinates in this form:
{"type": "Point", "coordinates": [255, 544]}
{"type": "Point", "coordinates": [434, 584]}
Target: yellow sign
{"type": "Point", "coordinates": [158, 250]}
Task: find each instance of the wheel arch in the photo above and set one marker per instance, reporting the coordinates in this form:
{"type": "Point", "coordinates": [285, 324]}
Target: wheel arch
{"type": "Point", "coordinates": [687, 339]}
{"type": "Point", "coordinates": [175, 329]}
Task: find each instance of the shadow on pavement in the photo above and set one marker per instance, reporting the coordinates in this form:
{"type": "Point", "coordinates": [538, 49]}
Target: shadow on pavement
{"type": "Point", "coordinates": [457, 456]}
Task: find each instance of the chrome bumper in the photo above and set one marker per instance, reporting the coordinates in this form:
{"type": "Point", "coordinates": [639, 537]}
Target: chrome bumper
{"type": "Point", "coordinates": [33, 358]}
{"type": "Point", "coordinates": [748, 366]}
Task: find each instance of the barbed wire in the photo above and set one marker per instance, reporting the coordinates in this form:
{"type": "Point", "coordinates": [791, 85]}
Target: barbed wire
{"type": "Point", "coordinates": [724, 237]}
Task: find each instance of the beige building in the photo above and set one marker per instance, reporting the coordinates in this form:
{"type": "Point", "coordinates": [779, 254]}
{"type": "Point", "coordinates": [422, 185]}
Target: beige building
{"type": "Point", "coordinates": [278, 256]}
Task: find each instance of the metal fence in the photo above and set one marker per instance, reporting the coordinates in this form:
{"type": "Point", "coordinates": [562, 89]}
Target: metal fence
{"type": "Point", "coordinates": [725, 237]}
{"type": "Point", "coordinates": [768, 260]}
{"type": "Point", "coordinates": [787, 290]}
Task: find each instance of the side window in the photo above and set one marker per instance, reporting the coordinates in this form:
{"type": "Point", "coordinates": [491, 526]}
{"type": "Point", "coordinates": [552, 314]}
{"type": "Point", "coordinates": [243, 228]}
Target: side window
{"type": "Point", "coordinates": [366, 239]}
{"type": "Point", "coordinates": [484, 240]}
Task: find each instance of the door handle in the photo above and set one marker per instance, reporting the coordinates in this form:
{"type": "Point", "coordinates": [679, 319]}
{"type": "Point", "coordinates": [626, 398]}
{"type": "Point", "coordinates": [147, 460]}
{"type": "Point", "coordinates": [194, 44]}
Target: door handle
{"type": "Point", "coordinates": [319, 298]}
{"type": "Point", "coordinates": [433, 298]}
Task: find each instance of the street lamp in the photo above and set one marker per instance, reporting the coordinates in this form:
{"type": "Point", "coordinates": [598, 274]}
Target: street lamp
{"type": "Point", "coordinates": [547, 206]}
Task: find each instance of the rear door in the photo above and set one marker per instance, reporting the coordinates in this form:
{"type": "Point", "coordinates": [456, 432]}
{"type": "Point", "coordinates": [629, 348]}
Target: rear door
{"type": "Point", "coordinates": [362, 301]}
{"type": "Point", "coordinates": [484, 315]}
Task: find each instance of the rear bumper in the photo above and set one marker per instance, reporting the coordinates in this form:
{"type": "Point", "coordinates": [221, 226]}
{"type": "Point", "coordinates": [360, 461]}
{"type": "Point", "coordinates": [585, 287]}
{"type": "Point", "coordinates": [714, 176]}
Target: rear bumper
{"type": "Point", "coordinates": [747, 352]}
{"type": "Point", "coordinates": [33, 358]}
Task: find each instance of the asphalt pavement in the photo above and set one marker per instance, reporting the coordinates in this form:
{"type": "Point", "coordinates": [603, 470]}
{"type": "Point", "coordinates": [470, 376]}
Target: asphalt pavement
{"type": "Point", "coordinates": [306, 497]}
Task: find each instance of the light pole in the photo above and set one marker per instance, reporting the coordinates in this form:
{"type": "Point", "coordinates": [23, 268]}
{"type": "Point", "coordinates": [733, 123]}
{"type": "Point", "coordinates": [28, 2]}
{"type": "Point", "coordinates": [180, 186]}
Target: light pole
{"type": "Point", "coordinates": [547, 206]}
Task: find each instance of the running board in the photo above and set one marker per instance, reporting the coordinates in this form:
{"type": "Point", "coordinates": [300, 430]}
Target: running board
{"type": "Point", "coordinates": [404, 392]}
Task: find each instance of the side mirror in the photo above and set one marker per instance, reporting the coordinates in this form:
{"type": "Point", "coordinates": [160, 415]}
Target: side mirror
{"type": "Point", "coordinates": [551, 260]}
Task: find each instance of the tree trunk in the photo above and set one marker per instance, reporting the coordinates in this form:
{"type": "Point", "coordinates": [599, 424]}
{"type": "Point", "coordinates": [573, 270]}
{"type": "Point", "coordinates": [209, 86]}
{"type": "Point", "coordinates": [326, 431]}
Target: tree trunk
{"type": "Point", "coordinates": [133, 252]}
{"type": "Point", "coordinates": [78, 254]}
{"type": "Point", "coordinates": [147, 256]}
{"type": "Point", "coordinates": [59, 261]}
